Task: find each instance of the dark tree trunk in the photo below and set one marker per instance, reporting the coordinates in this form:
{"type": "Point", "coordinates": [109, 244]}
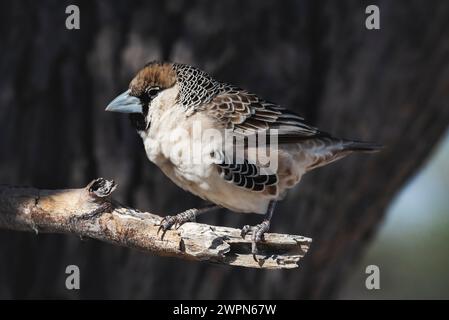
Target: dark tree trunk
{"type": "Point", "coordinates": [389, 86]}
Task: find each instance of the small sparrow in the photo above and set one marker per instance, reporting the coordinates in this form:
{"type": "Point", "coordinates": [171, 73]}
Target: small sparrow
{"type": "Point", "coordinates": [169, 103]}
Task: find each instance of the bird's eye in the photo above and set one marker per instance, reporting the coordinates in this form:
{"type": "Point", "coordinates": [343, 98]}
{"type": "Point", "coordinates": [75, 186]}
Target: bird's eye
{"type": "Point", "coordinates": [152, 91]}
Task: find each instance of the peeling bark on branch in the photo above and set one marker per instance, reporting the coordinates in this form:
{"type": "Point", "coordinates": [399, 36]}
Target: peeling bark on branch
{"type": "Point", "coordinates": [89, 212]}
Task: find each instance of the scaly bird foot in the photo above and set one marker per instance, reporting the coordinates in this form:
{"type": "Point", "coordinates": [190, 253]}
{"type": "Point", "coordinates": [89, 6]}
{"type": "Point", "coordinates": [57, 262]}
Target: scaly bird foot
{"type": "Point", "coordinates": [258, 232]}
{"type": "Point", "coordinates": [177, 220]}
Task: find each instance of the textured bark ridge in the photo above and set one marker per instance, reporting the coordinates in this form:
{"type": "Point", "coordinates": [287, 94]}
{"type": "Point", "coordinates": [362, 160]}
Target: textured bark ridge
{"type": "Point", "coordinates": [89, 212]}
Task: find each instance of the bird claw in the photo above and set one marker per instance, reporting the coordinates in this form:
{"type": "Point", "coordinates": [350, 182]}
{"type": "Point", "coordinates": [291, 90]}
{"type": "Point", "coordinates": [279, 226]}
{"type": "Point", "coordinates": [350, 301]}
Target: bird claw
{"type": "Point", "coordinates": [258, 232]}
{"type": "Point", "coordinates": [245, 230]}
{"type": "Point", "coordinates": [176, 221]}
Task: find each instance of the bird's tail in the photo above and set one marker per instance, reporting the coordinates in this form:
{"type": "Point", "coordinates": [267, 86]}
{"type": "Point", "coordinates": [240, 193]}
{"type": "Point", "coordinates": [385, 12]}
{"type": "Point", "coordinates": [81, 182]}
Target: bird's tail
{"type": "Point", "coordinates": [361, 146]}
{"type": "Point", "coordinates": [336, 149]}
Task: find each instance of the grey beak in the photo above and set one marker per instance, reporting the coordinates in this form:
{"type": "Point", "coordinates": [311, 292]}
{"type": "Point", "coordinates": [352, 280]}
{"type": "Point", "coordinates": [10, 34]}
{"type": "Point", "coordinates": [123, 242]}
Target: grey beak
{"type": "Point", "coordinates": [125, 103]}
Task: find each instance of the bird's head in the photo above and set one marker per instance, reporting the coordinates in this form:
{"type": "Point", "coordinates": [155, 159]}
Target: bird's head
{"type": "Point", "coordinates": [149, 82]}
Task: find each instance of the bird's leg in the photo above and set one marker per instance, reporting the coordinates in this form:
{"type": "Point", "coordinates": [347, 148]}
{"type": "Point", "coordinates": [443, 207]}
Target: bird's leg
{"type": "Point", "coordinates": [259, 230]}
{"type": "Point", "coordinates": [183, 217]}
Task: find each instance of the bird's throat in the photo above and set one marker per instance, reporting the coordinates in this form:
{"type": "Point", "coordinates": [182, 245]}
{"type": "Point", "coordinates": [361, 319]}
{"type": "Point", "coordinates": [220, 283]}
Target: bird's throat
{"type": "Point", "coordinates": [138, 121]}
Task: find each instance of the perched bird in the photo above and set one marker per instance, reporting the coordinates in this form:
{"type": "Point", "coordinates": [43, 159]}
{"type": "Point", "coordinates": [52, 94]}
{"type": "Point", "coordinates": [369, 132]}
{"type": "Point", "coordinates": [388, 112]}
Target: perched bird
{"type": "Point", "coordinates": [169, 102]}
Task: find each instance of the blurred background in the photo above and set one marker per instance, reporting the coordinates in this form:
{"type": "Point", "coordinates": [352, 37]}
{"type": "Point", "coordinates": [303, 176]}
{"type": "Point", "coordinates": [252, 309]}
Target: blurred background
{"type": "Point", "coordinates": [411, 248]}
{"type": "Point", "coordinates": [390, 86]}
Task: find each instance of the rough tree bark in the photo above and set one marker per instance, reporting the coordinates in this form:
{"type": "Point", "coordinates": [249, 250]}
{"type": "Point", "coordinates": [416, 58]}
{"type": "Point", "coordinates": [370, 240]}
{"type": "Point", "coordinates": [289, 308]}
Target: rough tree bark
{"type": "Point", "coordinates": [91, 212]}
{"type": "Point", "coordinates": [389, 86]}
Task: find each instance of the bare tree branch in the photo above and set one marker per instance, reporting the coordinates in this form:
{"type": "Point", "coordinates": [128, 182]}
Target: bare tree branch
{"type": "Point", "coordinates": [89, 212]}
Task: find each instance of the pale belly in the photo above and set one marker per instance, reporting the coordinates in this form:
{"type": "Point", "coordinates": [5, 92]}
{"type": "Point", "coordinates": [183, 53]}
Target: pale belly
{"type": "Point", "coordinates": [202, 178]}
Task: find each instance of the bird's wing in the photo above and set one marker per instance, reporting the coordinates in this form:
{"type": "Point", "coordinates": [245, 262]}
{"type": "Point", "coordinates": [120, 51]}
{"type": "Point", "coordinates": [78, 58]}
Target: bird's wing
{"type": "Point", "coordinates": [238, 109]}
{"type": "Point", "coordinates": [247, 114]}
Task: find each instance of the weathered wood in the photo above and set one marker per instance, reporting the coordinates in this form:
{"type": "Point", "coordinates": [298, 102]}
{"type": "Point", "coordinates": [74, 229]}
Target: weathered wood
{"type": "Point", "coordinates": [89, 212]}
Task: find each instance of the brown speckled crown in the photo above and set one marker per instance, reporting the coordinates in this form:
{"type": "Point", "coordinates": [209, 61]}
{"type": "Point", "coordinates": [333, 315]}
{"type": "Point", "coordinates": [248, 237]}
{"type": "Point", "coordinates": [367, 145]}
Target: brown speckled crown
{"type": "Point", "coordinates": [160, 74]}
